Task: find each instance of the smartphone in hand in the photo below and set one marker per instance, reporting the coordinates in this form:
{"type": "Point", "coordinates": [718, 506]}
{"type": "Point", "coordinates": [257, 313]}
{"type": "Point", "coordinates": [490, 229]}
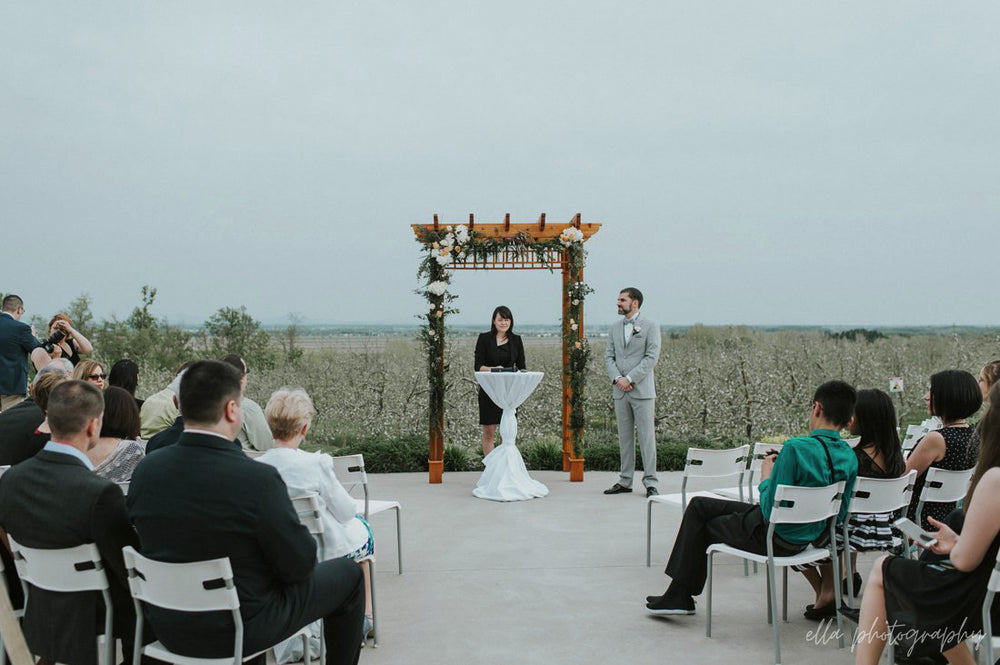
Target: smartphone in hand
{"type": "Point", "coordinates": [915, 533]}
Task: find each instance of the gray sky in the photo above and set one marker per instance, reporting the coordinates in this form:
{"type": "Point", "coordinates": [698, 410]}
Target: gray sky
{"type": "Point", "coordinates": [752, 162]}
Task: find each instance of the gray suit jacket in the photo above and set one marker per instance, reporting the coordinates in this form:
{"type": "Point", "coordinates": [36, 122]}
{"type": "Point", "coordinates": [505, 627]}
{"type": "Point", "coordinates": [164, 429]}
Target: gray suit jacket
{"type": "Point", "coordinates": [636, 360]}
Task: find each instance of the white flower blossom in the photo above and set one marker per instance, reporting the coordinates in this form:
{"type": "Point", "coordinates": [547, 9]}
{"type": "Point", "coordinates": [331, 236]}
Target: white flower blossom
{"type": "Point", "coordinates": [437, 288]}
{"type": "Point", "coordinates": [570, 235]}
{"type": "Point", "coordinates": [462, 234]}
{"type": "Point", "coordinates": [448, 241]}
{"type": "Point", "coordinates": [443, 259]}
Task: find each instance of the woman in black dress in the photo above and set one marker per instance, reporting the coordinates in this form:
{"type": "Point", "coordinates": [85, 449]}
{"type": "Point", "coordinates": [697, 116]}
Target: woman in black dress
{"type": "Point", "coordinates": [954, 396]}
{"type": "Point", "coordinates": [499, 347]}
{"type": "Point", "coordinates": [935, 605]}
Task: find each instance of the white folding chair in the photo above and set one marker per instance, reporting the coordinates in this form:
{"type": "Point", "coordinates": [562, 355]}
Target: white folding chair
{"type": "Point", "coordinates": [69, 570]}
{"type": "Point", "coordinates": [913, 434]}
{"type": "Point", "coordinates": [307, 508]}
{"type": "Point", "coordinates": [941, 486]}
{"type": "Point", "coordinates": [700, 463]}
{"type": "Point", "coordinates": [853, 441]}
{"type": "Point", "coordinates": [187, 587]}
{"type": "Point", "coordinates": [792, 505]}
{"type": "Point", "coordinates": [874, 495]}
{"type": "Point", "coordinates": [350, 471]}
{"type": "Point", "coordinates": [18, 614]}
{"type": "Point", "coordinates": [986, 643]}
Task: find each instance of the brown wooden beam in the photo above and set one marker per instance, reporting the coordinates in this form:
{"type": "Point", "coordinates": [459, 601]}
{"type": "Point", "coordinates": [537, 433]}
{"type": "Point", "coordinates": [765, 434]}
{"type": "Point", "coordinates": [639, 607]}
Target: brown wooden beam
{"type": "Point", "coordinates": [510, 230]}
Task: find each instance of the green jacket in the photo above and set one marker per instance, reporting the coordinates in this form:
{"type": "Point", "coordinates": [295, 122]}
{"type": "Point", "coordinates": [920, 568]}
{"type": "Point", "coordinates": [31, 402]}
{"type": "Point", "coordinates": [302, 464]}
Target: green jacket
{"type": "Point", "coordinates": [803, 463]}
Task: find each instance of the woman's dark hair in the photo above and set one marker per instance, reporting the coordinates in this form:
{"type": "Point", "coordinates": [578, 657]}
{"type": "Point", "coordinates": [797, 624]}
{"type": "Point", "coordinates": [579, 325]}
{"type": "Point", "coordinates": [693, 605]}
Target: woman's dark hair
{"type": "Point", "coordinates": [837, 399]}
{"type": "Point", "coordinates": [955, 394]}
{"type": "Point", "coordinates": [876, 422]}
{"type": "Point", "coordinates": [121, 415]}
{"type": "Point", "coordinates": [125, 375]}
{"type": "Point", "coordinates": [504, 313]}
{"type": "Point", "coordinates": [989, 443]}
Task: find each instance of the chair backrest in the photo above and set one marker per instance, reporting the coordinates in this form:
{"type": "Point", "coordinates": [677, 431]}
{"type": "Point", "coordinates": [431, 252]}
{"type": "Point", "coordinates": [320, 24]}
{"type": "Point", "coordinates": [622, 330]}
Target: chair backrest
{"type": "Point", "coordinates": [759, 453]}
{"type": "Point", "coordinates": [853, 441]}
{"type": "Point", "coordinates": [307, 508]}
{"type": "Point", "coordinates": [913, 435]}
{"type": "Point", "coordinates": [66, 570]}
{"type": "Point", "coordinates": [943, 486]}
{"type": "Point", "coordinates": [253, 454]}
{"type": "Point", "coordinates": [882, 495]}
{"type": "Point", "coordinates": [199, 586]}
{"type": "Point", "coordinates": [800, 505]}
{"type": "Point", "coordinates": [350, 470]}
{"type": "Point", "coordinates": [709, 463]}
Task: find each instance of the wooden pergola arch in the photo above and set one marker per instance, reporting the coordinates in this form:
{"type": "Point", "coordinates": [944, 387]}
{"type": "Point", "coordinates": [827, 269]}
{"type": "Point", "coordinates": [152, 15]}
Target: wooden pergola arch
{"type": "Point", "coordinates": [518, 253]}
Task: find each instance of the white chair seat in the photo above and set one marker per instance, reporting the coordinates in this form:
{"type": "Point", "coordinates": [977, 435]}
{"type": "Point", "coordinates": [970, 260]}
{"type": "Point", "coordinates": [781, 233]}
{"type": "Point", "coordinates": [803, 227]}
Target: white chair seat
{"type": "Point", "coordinates": [733, 494]}
{"type": "Point", "coordinates": [375, 506]}
{"type": "Point", "coordinates": [808, 555]}
{"type": "Point", "coordinates": [676, 500]}
{"type": "Point", "coordinates": [160, 652]}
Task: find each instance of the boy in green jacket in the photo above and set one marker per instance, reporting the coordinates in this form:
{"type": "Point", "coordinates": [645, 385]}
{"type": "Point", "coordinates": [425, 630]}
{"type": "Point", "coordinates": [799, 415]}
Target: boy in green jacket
{"type": "Point", "coordinates": [820, 459]}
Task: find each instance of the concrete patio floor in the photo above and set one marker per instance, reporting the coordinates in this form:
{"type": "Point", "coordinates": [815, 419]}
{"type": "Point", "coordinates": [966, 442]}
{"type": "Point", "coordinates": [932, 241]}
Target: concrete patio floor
{"type": "Point", "coordinates": [558, 580]}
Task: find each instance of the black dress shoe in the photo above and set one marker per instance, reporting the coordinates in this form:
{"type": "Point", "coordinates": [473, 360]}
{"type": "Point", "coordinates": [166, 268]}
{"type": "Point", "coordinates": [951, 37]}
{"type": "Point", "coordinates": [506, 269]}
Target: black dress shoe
{"type": "Point", "coordinates": [857, 585]}
{"type": "Point", "coordinates": [814, 613]}
{"type": "Point", "coordinates": [671, 605]}
{"type": "Point", "coordinates": [651, 491]}
{"type": "Point", "coordinates": [618, 489]}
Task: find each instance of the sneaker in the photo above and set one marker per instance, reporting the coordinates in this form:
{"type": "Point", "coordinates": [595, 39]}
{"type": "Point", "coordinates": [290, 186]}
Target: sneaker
{"type": "Point", "coordinates": [666, 606]}
{"type": "Point", "coordinates": [651, 491]}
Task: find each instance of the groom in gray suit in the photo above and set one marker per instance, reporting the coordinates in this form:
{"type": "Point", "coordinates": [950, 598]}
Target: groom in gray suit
{"type": "Point", "coordinates": [631, 353]}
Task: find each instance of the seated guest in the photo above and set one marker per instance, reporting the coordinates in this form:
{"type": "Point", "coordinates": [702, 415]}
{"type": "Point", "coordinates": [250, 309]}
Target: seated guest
{"type": "Point", "coordinates": [880, 455]}
{"type": "Point", "coordinates": [92, 372]}
{"type": "Point", "coordinates": [159, 411]}
{"type": "Point", "coordinates": [67, 342]}
{"type": "Point", "coordinates": [954, 395]}
{"type": "Point", "coordinates": [119, 450]}
{"type": "Point", "coordinates": [19, 424]}
{"type": "Point", "coordinates": [820, 459]}
{"type": "Point", "coordinates": [254, 434]}
{"type": "Point", "coordinates": [203, 498]}
{"type": "Point", "coordinates": [54, 501]}
{"type": "Point", "coordinates": [41, 389]}
{"type": "Point", "coordinates": [345, 533]}
{"type": "Point", "coordinates": [988, 375]}
{"type": "Point", "coordinates": [172, 434]}
{"type": "Point", "coordinates": [125, 375]}
{"type": "Point", "coordinates": [934, 607]}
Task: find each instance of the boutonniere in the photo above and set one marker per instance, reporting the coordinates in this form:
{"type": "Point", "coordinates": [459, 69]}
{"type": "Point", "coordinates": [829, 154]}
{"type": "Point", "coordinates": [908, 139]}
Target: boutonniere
{"type": "Point", "coordinates": [636, 329]}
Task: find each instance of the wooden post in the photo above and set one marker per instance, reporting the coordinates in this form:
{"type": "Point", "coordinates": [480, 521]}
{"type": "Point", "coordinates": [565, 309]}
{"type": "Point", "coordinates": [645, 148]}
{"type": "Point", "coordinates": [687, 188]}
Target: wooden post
{"type": "Point", "coordinates": [567, 391]}
{"type": "Point", "coordinates": [435, 461]}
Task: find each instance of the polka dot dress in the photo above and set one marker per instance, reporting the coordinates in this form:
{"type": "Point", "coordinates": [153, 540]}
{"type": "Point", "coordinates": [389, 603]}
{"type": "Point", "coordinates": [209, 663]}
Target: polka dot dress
{"type": "Point", "coordinates": [956, 458]}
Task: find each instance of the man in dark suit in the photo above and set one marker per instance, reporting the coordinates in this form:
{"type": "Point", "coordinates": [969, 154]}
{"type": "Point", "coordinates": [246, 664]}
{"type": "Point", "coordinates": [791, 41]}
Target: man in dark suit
{"type": "Point", "coordinates": [172, 434]}
{"type": "Point", "coordinates": [54, 501]}
{"type": "Point", "coordinates": [18, 423]}
{"type": "Point", "coordinates": [202, 498]}
{"type": "Point", "coordinates": [16, 342]}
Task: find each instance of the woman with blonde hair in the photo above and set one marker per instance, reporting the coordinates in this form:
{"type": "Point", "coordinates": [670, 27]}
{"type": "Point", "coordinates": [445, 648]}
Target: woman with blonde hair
{"type": "Point", "coordinates": [289, 414]}
{"type": "Point", "coordinates": [92, 372]}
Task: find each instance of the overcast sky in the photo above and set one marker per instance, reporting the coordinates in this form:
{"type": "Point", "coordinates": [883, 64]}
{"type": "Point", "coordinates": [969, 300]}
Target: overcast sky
{"type": "Point", "coordinates": [751, 162]}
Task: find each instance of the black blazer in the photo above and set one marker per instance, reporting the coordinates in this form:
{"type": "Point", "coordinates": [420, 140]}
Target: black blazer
{"type": "Point", "coordinates": [16, 342]}
{"type": "Point", "coordinates": [54, 501]}
{"type": "Point", "coordinates": [17, 427]}
{"type": "Point", "coordinates": [487, 351]}
{"type": "Point", "coordinates": [203, 498]}
{"type": "Point", "coordinates": [167, 437]}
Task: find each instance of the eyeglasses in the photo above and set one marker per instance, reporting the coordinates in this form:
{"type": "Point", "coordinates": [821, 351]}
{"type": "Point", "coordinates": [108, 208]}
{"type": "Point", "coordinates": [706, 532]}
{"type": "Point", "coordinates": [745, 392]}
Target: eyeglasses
{"type": "Point", "coordinates": [95, 377]}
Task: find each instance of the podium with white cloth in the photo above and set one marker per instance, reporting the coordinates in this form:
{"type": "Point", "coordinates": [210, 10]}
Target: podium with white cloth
{"type": "Point", "coordinates": [506, 478]}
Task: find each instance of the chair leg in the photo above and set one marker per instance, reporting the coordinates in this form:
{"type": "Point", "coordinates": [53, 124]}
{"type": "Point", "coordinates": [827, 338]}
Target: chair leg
{"type": "Point", "coordinates": [649, 530]}
{"type": "Point", "coordinates": [784, 594]}
{"type": "Point", "coordinates": [371, 575]}
{"type": "Point", "coordinates": [773, 601]}
{"type": "Point", "coordinates": [399, 541]}
{"type": "Point", "coordinates": [708, 598]}
{"type": "Point", "coordinates": [306, 655]}
{"type": "Point", "coordinates": [837, 593]}
{"type": "Point", "coordinates": [767, 592]}
{"type": "Point", "coordinates": [322, 644]}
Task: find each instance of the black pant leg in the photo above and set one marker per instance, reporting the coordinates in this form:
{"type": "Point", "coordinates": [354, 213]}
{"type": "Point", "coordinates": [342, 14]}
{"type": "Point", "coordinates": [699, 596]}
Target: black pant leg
{"type": "Point", "coordinates": [335, 592]}
{"type": "Point", "coordinates": [707, 521]}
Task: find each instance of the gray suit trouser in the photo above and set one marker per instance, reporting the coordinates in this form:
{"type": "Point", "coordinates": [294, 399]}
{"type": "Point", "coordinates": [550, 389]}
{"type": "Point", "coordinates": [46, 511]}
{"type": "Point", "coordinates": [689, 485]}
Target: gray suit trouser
{"type": "Point", "coordinates": [635, 416]}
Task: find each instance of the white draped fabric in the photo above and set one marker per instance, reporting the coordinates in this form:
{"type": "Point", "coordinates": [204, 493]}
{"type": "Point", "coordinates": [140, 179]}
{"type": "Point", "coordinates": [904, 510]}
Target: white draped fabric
{"type": "Point", "coordinates": [506, 478]}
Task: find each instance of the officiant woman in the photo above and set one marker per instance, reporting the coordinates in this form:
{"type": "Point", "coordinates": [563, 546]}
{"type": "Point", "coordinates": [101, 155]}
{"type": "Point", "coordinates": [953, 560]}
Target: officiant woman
{"type": "Point", "coordinates": [499, 347]}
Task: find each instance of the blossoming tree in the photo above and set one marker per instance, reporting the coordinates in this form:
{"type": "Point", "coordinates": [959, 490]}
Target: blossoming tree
{"type": "Point", "coordinates": [519, 246]}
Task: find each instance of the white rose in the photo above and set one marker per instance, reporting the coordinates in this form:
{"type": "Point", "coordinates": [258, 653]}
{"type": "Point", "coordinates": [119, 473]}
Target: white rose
{"type": "Point", "coordinates": [437, 288]}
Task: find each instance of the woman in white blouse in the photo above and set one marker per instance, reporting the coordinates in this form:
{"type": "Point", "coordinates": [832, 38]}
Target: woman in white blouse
{"type": "Point", "coordinates": [289, 413]}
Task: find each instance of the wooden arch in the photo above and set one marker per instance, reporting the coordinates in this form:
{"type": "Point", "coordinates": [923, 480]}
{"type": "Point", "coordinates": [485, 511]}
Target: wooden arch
{"type": "Point", "coordinates": [520, 246]}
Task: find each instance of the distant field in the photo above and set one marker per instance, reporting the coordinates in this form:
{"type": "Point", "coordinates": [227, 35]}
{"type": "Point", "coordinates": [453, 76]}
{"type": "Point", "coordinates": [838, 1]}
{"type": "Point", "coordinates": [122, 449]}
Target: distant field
{"type": "Point", "coordinates": [724, 383]}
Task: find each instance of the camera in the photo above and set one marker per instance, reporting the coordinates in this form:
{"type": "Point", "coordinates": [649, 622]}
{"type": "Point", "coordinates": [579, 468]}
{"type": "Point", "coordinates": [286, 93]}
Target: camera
{"type": "Point", "coordinates": [50, 344]}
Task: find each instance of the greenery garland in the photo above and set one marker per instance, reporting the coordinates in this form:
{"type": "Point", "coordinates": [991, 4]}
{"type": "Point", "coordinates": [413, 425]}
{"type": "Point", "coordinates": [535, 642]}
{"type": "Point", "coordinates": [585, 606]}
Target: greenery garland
{"type": "Point", "coordinates": [458, 244]}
